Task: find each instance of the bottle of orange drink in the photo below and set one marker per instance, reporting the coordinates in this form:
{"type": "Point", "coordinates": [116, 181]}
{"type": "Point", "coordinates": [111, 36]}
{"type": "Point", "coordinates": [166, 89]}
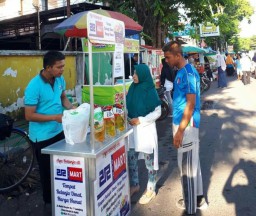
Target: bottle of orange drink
{"type": "Point", "coordinates": [109, 122]}
{"type": "Point", "coordinates": [99, 132]}
{"type": "Point", "coordinates": [119, 117]}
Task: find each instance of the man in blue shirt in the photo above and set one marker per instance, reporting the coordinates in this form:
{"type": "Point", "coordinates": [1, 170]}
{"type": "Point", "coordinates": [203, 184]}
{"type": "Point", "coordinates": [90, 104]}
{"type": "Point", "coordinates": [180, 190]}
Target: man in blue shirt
{"type": "Point", "coordinates": [44, 101]}
{"type": "Point", "coordinates": [186, 120]}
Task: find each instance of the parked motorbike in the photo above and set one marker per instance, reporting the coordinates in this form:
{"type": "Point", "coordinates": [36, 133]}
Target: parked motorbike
{"type": "Point", "coordinates": [164, 106]}
{"type": "Point", "coordinates": [205, 82]}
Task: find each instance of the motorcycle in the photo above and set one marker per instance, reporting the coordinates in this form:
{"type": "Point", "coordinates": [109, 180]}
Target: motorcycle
{"type": "Point", "coordinates": [164, 106]}
{"type": "Point", "coordinates": [205, 82]}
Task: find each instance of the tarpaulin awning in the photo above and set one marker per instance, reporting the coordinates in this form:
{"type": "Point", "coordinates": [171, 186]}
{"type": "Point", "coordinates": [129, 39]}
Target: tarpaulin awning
{"type": "Point", "coordinates": [192, 49]}
{"type": "Point", "coordinates": [76, 25]}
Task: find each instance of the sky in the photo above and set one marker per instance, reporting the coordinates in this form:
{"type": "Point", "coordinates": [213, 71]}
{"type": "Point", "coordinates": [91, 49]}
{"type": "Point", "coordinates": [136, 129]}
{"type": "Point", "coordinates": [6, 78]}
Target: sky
{"type": "Point", "coordinates": [248, 30]}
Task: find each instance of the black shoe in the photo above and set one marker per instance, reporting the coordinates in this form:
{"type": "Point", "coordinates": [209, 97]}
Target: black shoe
{"type": "Point", "coordinates": [186, 214]}
{"type": "Point", "coordinates": [201, 203]}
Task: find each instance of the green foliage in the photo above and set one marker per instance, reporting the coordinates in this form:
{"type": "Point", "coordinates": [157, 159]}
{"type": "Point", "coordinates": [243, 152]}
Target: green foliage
{"type": "Point", "coordinates": [230, 16]}
{"type": "Point", "coordinates": [157, 16]}
{"type": "Point", "coordinates": [243, 43]}
{"type": "Point", "coordinates": [236, 43]}
{"type": "Point", "coordinates": [253, 42]}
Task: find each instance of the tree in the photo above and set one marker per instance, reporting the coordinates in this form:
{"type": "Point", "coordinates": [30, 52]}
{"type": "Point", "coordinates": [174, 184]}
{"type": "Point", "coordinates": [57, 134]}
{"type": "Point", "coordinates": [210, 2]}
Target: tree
{"type": "Point", "coordinates": [157, 16]}
{"type": "Point", "coordinates": [229, 17]}
{"type": "Point", "coordinates": [253, 43]}
{"type": "Point", "coordinates": [241, 44]}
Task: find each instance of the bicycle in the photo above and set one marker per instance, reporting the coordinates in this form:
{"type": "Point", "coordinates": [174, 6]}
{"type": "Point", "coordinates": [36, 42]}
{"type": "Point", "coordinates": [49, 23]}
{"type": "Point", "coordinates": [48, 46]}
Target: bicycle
{"type": "Point", "coordinates": [16, 159]}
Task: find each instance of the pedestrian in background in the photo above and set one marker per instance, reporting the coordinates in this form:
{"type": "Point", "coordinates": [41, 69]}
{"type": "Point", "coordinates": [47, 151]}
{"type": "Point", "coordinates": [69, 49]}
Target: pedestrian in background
{"type": "Point", "coordinates": [191, 60]}
{"type": "Point", "coordinates": [186, 120]}
{"type": "Point", "coordinates": [246, 68]}
{"type": "Point", "coordinates": [238, 67]}
{"type": "Point", "coordinates": [144, 108]}
{"type": "Point", "coordinates": [221, 66]}
{"type": "Point", "coordinates": [229, 65]}
{"type": "Point", "coordinates": [129, 65]}
{"type": "Point", "coordinates": [167, 77]}
{"type": "Point", "coordinates": [254, 65]}
{"type": "Point", "coordinates": [44, 101]}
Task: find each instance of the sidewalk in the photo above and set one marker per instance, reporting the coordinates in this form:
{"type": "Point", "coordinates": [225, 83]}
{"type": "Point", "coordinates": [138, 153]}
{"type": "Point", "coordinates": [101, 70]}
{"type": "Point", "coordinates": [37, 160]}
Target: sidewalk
{"type": "Point", "coordinates": [228, 161]}
{"type": "Point", "coordinates": [227, 156]}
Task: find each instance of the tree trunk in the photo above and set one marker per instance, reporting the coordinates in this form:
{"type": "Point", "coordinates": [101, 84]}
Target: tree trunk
{"type": "Point", "coordinates": [159, 34]}
{"type": "Point", "coordinates": [148, 22]}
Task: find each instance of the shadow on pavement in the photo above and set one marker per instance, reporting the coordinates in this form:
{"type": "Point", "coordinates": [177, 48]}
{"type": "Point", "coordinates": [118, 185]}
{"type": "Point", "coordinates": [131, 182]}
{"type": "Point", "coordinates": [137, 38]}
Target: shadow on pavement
{"type": "Point", "coordinates": [241, 183]}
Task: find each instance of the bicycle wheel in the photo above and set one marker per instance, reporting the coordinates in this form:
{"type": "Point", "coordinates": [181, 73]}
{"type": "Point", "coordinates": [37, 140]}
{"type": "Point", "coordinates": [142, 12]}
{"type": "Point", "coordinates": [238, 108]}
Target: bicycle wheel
{"type": "Point", "coordinates": [16, 159]}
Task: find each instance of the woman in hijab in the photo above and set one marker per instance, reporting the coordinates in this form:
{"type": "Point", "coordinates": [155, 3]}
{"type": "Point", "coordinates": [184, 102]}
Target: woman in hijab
{"type": "Point", "coordinates": [144, 108]}
{"type": "Point", "coordinates": [221, 65]}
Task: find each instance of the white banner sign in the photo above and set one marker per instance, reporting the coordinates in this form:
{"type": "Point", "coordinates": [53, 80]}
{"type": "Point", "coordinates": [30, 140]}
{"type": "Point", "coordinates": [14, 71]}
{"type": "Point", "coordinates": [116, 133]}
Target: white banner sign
{"type": "Point", "coordinates": [209, 30]}
{"type": "Point", "coordinates": [118, 63]}
{"type": "Point", "coordinates": [102, 29]}
{"type": "Point", "coordinates": [69, 186]}
{"type": "Point", "coordinates": [112, 182]}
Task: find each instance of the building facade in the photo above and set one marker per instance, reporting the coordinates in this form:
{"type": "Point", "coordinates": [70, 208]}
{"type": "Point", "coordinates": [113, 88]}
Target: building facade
{"type": "Point", "coordinates": [29, 24]}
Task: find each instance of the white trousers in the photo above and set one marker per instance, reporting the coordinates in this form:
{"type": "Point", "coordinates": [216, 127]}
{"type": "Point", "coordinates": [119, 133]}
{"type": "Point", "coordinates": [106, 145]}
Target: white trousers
{"type": "Point", "coordinates": [190, 169]}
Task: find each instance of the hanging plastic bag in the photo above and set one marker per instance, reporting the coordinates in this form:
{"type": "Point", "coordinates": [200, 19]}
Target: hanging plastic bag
{"type": "Point", "coordinates": [75, 124]}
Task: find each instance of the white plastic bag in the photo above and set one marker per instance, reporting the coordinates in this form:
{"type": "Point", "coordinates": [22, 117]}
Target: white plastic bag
{"type": "Point", "coordinates": [75, 123]}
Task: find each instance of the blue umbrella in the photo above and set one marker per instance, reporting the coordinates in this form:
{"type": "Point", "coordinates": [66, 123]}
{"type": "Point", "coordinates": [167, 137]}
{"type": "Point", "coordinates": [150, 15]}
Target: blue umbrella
{"type": "Point", "coordinates": [192, 49]}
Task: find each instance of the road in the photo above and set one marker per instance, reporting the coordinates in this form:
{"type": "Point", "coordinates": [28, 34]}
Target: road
{"type": "Point", "coordinates": [227, 153]}
{"type": "Point", "coordinates": [228, 161]}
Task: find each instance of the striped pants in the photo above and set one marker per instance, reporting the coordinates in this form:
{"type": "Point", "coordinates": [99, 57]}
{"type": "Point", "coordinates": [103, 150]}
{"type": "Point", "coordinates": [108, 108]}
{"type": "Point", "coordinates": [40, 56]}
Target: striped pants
{"type": "Point", "coordinates": [190, 169]}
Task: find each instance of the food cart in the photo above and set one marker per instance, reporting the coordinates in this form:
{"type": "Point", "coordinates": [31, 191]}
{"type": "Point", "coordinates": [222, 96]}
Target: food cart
{"type": "Point", "coordinates": [152, 57]}
{"type": "Point", "coordinates": [91, 178]}
{"type": "Point", "coordinates": [108, 86]}
{"type": "Point", "coordinates": [198, 53]}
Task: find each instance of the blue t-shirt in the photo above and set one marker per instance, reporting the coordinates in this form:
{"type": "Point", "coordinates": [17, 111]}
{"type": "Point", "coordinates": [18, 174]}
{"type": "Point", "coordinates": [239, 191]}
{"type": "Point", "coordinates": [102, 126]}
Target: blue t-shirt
{"type": "Point", "coordinates": [238, 64]}
{"type": "Point", "coordinates": [187, 81]}
{"type": "Point", "coordinates": [47, 100]}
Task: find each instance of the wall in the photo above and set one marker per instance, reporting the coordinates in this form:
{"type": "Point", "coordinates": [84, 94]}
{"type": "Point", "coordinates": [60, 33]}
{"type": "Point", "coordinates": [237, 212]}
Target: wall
{"type": "Point", "coordinates": [12, 8]}
{"type": "Point", "coordinates": [17, 68]}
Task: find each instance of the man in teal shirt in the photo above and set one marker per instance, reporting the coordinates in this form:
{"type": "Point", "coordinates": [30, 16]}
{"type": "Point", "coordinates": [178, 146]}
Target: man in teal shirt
{"type": "Point", "coordinates": [44, 101]}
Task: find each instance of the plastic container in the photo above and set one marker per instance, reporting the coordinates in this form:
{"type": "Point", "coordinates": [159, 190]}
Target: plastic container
{"type": "Point", "coordinates": [119, 117]}
{"type": "Point", "coordinates": [99, 132]}
{"type": "Point", "coordinates": [109, 122]}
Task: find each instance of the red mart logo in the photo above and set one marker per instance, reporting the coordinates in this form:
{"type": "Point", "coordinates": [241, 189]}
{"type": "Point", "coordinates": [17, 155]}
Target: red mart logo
{"type": "Point", "coordinates": [75, 174]}
{"type": "Point", "coordinates": [119, 162]}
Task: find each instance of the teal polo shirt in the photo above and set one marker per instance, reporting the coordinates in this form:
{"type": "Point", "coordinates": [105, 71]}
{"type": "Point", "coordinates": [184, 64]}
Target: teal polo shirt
{"type": "Point", "coordinates": [47, 99]}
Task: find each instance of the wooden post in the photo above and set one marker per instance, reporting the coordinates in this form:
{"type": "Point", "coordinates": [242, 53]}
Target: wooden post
{"type": "Point", "coordinates": [68, 8]}
{"type": "Point", "coordinates": [21, 7]}
{"type": "Point", "coordinates": [37, 7]}
{"type": "Point", "coordinates": [69, 42]}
